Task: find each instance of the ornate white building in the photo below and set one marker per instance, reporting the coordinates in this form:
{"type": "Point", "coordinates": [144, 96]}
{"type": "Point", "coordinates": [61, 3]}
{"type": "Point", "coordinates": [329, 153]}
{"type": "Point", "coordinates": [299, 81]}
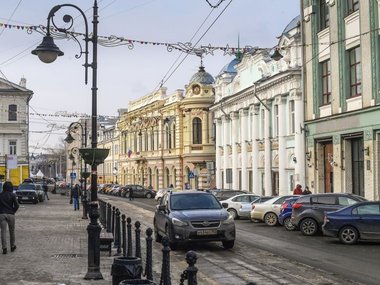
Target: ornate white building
{"type": "Point", "coordinates": [258, 110]}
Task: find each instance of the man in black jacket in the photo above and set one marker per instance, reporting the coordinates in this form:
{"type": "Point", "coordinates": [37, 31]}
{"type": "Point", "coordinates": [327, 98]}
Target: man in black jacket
{"type": "Point", "coordinates": [8, 208]}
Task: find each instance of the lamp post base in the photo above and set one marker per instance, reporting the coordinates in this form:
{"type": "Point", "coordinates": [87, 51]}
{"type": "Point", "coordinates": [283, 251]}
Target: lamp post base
{"type": "Point", "coordinates": [93, 229]}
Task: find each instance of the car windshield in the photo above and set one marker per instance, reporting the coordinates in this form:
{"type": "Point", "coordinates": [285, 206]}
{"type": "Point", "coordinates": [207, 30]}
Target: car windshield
{"type": "Point", "coordinates": [193, 202]}
{"type": "Point", "coordinates": [27, 187]}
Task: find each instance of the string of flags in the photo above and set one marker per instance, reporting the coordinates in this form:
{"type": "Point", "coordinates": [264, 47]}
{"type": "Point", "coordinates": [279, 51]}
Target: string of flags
{"type": "Point", "coordinates": [116, 40]}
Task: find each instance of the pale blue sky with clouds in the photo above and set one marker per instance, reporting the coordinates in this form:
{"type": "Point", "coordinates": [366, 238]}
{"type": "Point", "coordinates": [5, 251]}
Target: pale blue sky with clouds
{"type": "Point", "coordinates": [125, 74]}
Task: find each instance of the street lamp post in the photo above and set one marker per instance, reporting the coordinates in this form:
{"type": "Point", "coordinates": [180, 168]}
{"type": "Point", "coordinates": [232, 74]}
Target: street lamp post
{"type": "Point", "coordinates": [83, 174]}
{"type": "Point", "coordinates": [47, 51]}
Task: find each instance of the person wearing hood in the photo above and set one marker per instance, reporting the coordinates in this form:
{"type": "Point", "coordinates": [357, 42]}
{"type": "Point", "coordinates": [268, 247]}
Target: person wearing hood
{"type": "Point", "coordinates": [8, 207]}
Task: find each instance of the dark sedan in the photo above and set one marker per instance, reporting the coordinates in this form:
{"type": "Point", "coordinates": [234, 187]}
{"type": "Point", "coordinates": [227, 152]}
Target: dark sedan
{"type": "Point", "coordinates": [138, 191]}
{"type": "Point", "coordinates": [358, 221]}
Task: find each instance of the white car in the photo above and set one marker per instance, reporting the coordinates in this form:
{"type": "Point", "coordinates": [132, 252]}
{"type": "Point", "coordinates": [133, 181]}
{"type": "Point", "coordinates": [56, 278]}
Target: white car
{"type": "Point", "coordinates": [234, 203]}
{"type": "Point", "coordinates": [245, 209]}
{"type": "Point", "coordinates": [269, 210]}
{"type": "Point", "coordinates": [161, 192]}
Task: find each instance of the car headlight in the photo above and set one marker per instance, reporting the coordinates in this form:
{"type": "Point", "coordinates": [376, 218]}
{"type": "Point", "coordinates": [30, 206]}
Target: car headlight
{"type": "Point", "coordinates": [229, 220]}
{"type": "Point", "coordinates": [178, 223]}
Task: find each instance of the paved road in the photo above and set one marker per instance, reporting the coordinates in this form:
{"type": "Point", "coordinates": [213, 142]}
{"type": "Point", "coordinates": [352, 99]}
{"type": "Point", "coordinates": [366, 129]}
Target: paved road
{"type": "Point", "coordinates": [275, 256]}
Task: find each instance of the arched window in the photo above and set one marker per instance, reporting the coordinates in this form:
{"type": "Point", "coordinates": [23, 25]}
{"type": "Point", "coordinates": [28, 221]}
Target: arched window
{"type": "Point", "coordinates": [12, 112]}
{"type": "Point", "coordinates": [197, 131]}
{"type": "Point", "coordinates": [174, 136]}
{"type": "Point", "coordinates": [168, 137]}
{"type": "Point", "coordinates": [152, 146]}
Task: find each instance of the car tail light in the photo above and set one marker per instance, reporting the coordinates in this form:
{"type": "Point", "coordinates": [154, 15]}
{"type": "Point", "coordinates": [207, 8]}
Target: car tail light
{"type": "Point", "coordinates": [284, 206]}
{"type": "Point", "coordinates": [297, 205]}
{"type": "Point", "coordinates": [253, 207]}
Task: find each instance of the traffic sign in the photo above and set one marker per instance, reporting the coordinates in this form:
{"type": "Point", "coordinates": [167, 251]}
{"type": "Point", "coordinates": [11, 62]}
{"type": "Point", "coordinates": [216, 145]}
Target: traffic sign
{"type": "Point", "coordinates": [73, 175]}
{"type": "Point", "coordinates": [191, 175]}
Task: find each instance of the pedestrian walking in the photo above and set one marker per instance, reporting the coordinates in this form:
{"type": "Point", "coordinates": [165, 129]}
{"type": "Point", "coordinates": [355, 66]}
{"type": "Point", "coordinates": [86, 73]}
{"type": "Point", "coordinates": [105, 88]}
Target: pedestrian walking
{"type": "Point", "coordinates": [297, 190]}
{"type": "Point", "coordinates": [45, 188]}
{"type": "Point", "coordinates": [306, 191]}
{"type": "Point", "coordinates": [8, 208]}
{"type": "Point", "coordinates": [75, 194]}
{"type": "Point", "coordinates": [130, 194]}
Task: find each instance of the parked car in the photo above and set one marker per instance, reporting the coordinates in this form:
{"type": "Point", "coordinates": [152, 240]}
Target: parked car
{"type": "Point", "coordinates": [354, 222]}
{"type": "Point", "coordinates": [27, 193]}
{"type": "Point", "coordinates": [284, 218]}
{"type": "Point", "coordinates": [234, 203]}
{"type": "Point", "coordinates": [161, 192]}
{"type": "Point", "coordinates": [139, 191]}
{"type": "Point", "coordinates": [225, 194]}
{"type": "Point", "coordinates": [245, 209]}
{"type": "Point", "coordinates": [193, 216]}
{"type": "Point", "coordinates": [308, 211]}
{"type": "Point", "coordinates": [269, 210]}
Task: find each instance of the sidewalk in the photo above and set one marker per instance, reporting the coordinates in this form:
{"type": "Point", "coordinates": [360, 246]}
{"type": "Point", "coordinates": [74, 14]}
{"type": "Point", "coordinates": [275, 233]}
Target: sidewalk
{"type": "Point", "coordinates": [51, 241]}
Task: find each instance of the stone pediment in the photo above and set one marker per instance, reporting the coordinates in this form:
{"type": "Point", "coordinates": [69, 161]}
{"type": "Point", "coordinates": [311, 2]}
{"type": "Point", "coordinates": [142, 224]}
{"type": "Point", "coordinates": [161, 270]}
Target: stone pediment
{"type": "Point", "coordinates": [9, 86]}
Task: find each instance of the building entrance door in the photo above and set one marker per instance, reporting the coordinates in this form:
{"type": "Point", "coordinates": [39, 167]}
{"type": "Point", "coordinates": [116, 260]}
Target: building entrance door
{"type": "Point", "coordinates": [328, 167]}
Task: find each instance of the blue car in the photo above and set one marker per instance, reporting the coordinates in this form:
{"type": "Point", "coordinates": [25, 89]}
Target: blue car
{"type": "Point", "coordinates": [358, 221]}
{"type": "Point", "coordinates": [286, 213]}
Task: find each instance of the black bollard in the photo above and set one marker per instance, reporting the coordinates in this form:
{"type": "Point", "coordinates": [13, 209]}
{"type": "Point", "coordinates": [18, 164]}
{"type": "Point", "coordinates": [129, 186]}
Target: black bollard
{"type": "Point", "coordinates": [124, 231]}
{"type": "Point", "coordinates": [149, 255]}
{"type": "Point", "coordinates": [117, 243]}
{"type": "Point", "coordinates": [108, 217]}
{"type": "Point", "coordinates": [191, 259]}
{"type": "Point", "coordinates": [165, 272]}
{"type": "Point", "coordinates": [102, 212]}
{"type": "Point", "coordinates": [129, 232]}
{"type": "Point", "coordinates": [137, 240]}
{"type": "Point", "coordinates": [113, 220]}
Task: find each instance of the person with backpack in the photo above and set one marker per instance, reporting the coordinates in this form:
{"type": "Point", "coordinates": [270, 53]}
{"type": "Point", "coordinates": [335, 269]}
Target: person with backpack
{"type": "Point", "coordinates": [8, 207]}
{"type": "Point", "coordinates": [75, 194]}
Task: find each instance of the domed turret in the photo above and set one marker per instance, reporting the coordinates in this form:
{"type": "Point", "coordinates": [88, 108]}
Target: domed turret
{"type": "Point", "coordinates": [202, 77]}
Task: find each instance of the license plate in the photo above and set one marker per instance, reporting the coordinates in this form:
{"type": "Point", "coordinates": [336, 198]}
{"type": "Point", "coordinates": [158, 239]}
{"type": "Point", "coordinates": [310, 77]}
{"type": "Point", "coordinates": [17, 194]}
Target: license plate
{"type": "Point", "coordinates": [207, 232]}
{"type": "Point", "coordinates": [25, 198]}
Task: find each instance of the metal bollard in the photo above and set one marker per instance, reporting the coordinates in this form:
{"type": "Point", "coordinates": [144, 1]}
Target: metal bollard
{"type": "Point", "coordinates": [108, 217]}
{"type": "Point", "coordinates": [117, 233]}
{"type": "Point", "coordinates": [102, 212]}
{"type": "Point", "coordinates": [137, 240]}
{"type": "Point", "coordinates": [149, 255]}
{"type": "Point", "coordinates": [113, 220]}
{"type": "Point", "coordinates": [129, 233]}
{"type": "Point", "coordinates": [190, 273]}
{"type": "Point", "coordinates": [165, 271]}
{"type": "Point", "coordinates": [124, 234]}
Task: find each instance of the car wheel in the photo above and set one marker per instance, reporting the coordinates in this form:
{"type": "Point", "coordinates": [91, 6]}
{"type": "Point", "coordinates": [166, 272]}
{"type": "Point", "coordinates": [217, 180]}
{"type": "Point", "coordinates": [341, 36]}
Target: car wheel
{"type": "Point", "coordinates": [173, 245]}
{"type": "Point", "coordinates": [309, 227]}
{"type": "Point", "coordinates": [270, 219]}
{"type": "Point", "coordinates": [288, 224]}
{"type": "Point", "coordinates": [148, 195]}
{"type": "Point", "coordinates": [233, 213]}
{"type": "Point", "coordinates": [228, 244]}
{"type": "Point", "coordinates": [348, 235]}
{"type": "Point", "coordinates": [157, 236]}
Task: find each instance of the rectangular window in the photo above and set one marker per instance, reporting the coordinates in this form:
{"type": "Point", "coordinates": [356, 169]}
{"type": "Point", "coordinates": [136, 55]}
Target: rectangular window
{"type": "Point", "coordinates": [12, 147]}
{"type": "Point", "coordinates": [326, 82]}
{"type": "Point", "coordinates": [276, 123]}
{"type": "Point", "coordinates": [324, 14]}
{"type": "Point", "coordinates": [352, 6]}
{"type": "Point", "coordinates": [292, 117]}
{"type": "Point", "coordinates": [355, 72]}
{"type": "Point", "coordinates": [12, 113]}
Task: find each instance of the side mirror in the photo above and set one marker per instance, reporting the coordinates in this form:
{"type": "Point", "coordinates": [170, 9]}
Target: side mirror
{"type": "Point", "coordinates": [161, 208]}
{"type": "Point", "coordinates": [225, 205]}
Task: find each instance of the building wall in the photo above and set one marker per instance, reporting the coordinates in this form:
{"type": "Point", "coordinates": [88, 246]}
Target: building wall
{"type": "Point", "coordinates": [342, 137]}
{"type": "Point", "coordinates": [14, 131]}
{"type": "Point", "coordinates": [259, 126]}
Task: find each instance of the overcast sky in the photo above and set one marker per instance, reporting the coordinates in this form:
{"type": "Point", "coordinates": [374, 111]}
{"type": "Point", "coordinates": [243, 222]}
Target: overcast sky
{"type": "Point", "coordinates": [125, 74]}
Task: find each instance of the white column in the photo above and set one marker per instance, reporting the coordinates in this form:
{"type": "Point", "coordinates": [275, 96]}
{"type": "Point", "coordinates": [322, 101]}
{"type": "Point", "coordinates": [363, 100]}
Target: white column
{"type": "Point", "coordinates": [218, 157]}
{"type": "Point", "coordinates": [204, 128]}
{"type": "Point", "coordinates": [244, 149]}
{"type": "Point", "coordinates": [299, 137]}
{"type": "Point", "coordinates": [235, 157]}
{"type": "Point", "coordinates": [226, 142]}
{"type": "Point", "coordinates": [255, 149]}
{"type": "Point", "coordinates": [268, 153]}
{"type": "Point", "coordinates": [282, 158]}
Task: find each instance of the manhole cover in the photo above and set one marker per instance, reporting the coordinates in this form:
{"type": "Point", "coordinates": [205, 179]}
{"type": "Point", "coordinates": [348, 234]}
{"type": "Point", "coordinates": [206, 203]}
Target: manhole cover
{"type": "Point", "coordinates": [66, 255]}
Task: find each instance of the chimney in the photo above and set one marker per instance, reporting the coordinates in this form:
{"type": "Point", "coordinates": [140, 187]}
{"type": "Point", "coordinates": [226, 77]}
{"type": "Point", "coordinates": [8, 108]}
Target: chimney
{"type": "Point", "coordinates": [23, 82]}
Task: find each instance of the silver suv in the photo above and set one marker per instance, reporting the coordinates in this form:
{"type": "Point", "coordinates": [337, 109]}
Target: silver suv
{"type": "Point", "coordinates": [308, 211]}
{"type": "Point", "coordinates": [193, 216]}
